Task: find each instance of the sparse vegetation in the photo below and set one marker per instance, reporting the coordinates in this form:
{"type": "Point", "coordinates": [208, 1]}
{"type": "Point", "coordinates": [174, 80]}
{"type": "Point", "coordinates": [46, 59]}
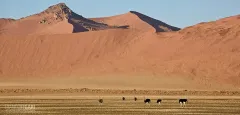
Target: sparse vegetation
{"type": "Point", "coordinates": [43, 21]}
{"type": "Point", "coordinates": [120, 92]}
{"type": "Point", "coordinates": [114, 106]}
{"type": "Point", "coordinates": [115, 26]}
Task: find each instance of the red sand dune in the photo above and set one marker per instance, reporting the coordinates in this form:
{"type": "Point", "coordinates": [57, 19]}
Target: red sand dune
{"type": "Point", "coordinates": [137, 21]}
{"type": "Point", "coordinates": [203, 56]}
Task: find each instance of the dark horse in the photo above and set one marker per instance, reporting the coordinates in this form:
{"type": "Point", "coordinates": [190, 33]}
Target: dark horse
{"type": "Point", "coordinates": [159, 101]}
{"type": "Point", "coordinates": [147, 100]}
{"type": "Point", "coordinates": [183, 101]}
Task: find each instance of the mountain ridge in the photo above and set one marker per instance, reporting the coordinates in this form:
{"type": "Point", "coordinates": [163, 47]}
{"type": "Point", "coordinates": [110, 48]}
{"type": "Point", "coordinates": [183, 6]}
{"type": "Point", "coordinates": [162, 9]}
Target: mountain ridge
{"type": "Point", "coordinates": [77, 23]}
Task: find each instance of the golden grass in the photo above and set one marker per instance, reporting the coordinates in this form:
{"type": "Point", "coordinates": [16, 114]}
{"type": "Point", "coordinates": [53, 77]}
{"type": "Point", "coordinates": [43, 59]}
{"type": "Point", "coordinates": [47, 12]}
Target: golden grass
{"type": "Point", "coordinates": [115, 105]}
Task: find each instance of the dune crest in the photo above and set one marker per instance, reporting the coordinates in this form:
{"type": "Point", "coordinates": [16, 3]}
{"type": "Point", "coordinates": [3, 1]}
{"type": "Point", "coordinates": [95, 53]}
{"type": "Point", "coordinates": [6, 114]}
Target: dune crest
{"type": "Point", "coordinates": [137, 21]}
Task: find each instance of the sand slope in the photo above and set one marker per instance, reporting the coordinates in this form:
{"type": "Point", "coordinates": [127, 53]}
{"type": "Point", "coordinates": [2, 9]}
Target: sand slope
{"type": "Point", "coordinates": [206, 58]}
{"type": "Point", "coordinates": [5, 21]}
{"type": "Point", "coordinates": [203, 56]}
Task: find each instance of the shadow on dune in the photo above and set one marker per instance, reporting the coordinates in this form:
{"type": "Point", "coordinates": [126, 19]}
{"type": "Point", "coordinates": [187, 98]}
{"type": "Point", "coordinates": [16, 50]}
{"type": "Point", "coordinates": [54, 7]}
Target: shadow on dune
{"type": "Point", "coordinates": [124, 27]}
{"type": "Point", "coordinates": [77, 27]}
{"type": "Point", "coordinates": [81, 24]}
{"type": "Point", "coordinates": [155, 23]}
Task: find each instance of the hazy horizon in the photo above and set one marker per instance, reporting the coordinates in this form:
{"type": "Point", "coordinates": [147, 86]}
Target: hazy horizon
{"type": "Point", "coordinates": [177, 13]}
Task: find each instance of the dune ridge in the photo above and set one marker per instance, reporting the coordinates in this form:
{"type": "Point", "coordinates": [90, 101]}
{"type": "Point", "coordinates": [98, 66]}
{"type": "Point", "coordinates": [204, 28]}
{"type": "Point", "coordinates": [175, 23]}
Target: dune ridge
{"type": "Point", "coordinates": [137, 21]}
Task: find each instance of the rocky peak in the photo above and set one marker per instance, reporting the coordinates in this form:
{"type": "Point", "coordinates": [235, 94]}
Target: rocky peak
{"type": "Point", "coordinates": [60, 11]}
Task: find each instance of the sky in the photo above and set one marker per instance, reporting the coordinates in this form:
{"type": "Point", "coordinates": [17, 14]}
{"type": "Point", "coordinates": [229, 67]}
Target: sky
{"type": "Point", "coordinates": [179, 13]}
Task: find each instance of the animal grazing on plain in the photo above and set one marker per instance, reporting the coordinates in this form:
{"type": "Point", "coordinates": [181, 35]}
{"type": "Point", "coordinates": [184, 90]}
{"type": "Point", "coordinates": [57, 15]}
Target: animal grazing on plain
{"type": "Point", "coordinates": [100, 100]}
{"type": "Point", "coordinates": [183, 102]}
{"type": "Point", "coordinates": [135, 98]}
{"type": "Point", "coordinates": [147, 101]}
{"type": "Point", "coordinates": [123, 98]}
{"type": "Point", "coordinates": [159, 101]}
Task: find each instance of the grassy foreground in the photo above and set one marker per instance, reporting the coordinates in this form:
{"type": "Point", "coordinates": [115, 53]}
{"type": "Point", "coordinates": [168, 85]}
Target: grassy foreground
{"type": "Point", "coordinates": [114, 105]}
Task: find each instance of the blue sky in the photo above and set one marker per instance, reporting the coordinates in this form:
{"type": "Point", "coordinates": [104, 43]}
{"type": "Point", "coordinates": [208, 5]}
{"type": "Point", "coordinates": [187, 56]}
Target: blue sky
{"type": "Point", "coordinates": [180, 13]}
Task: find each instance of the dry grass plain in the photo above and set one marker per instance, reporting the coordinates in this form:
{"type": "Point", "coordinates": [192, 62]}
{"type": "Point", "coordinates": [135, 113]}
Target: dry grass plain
{"type": "Point", "coordinates": [114, 105]}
